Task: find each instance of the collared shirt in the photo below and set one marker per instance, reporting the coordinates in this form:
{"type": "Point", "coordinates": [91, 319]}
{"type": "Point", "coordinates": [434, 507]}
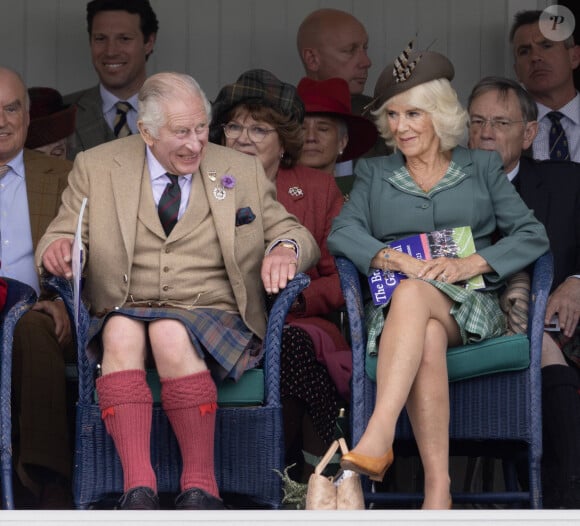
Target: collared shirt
{"type": "Point", "coordinates": [343, 169]}
{"type": "Point", "coordinates": [570, 123]}
{"type": "Point", "coordinates": [511, 175]}
{"type": "Point", "coordinates": [16, 250]}
{"type": "Point", "coordinates": [110, 110]}
{"type": "Point", "coordinates": [159, 181]}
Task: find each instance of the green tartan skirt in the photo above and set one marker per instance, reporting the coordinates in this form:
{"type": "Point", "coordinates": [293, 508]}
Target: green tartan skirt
{"type": "Point", "coordinates": [477, 313]}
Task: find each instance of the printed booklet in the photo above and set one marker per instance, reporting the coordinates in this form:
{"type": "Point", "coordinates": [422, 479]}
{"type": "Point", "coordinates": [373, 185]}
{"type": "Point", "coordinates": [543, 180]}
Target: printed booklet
{"type": "Point", "coordinates": [450, 242]}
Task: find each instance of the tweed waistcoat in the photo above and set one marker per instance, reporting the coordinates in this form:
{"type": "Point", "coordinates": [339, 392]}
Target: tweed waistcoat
{"type": "Point", "coordinates": [185, 269]}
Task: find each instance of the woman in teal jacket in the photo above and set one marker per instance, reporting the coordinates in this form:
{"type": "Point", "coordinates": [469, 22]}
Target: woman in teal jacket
{"type": "Point", "coordinates": [428, 184]}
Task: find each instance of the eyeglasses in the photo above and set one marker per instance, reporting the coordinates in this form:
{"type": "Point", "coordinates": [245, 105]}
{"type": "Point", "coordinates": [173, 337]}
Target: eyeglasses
{"type": "Point", "coordinates": [497, 124]}
{"type": "Point", "coordinates": [233, 130]}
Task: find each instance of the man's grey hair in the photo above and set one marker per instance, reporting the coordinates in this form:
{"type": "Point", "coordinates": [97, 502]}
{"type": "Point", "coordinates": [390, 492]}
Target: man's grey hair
{"type": "Point", "coordinates": [161, 88]}
{"type": "Point", "coordinates": [503, 86]}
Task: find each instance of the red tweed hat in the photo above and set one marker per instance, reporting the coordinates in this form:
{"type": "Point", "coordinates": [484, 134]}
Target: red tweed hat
{"type": "Point", "coordinates": [50, 119]}
{"type": "Point", "coordinates": [332, 97]}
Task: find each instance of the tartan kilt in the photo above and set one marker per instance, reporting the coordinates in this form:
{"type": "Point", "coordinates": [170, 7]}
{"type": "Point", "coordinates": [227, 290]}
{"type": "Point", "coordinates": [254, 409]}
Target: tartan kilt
{"type": "Point", "coordinates": [477, 313]}
{"type": "Point", "coordinates": [216, 334]}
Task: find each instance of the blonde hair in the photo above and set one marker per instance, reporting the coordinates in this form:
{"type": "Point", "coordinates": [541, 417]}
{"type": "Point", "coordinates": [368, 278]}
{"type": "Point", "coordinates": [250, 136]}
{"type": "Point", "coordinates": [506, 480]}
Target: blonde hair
{"type": "Point", "coordinates": [440, 101]}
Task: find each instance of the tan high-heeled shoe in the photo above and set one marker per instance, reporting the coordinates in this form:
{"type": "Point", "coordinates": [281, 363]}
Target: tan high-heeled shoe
{"type": "Point", "coordinates": [374, 467]}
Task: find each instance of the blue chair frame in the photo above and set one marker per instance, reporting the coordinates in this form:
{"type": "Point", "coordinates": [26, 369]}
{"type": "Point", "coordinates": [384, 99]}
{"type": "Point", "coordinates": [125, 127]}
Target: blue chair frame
{"type": "Point", "coordinates": [249, 441]}
{"type": "Point", "coordinates": [500, 408]}
{"type": "Point", "coordinates": [20, 298]}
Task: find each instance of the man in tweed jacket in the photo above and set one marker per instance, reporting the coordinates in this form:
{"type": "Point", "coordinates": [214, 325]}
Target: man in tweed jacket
{"type": "Point", "coordinates": [191, 292]}
{"type": "Point", "coordinates": [29, 199]}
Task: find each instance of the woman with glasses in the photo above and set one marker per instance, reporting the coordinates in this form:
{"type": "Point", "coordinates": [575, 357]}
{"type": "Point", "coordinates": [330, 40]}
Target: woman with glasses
{"type": "Point", "coordinates": [429, 183]}
{"type": "Point", "coordinates": [262, 116]}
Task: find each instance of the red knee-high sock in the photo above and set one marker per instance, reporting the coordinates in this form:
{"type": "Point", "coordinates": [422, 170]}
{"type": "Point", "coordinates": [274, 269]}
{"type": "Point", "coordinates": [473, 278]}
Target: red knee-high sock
{"type": "Point", "coordinates": [190, 403]}
{"type": "Point", "coordinates": [126, 408]}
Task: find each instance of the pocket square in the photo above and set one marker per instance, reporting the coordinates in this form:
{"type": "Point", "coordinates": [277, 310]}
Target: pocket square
{"type": "Point", "coordinates": [244, 216]}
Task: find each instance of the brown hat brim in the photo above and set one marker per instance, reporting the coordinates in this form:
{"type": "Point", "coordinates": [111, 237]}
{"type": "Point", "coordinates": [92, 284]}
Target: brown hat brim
{"type": "Point", "coordinates": [51, 128]}
{"type": "Point", "coordinates": [429, 65]}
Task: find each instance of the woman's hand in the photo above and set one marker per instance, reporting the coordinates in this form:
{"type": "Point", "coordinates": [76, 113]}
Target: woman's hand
{"type": "Point", "coordinates": [391, 259]}
{"type": "Point", "coordinates": [452, 270]}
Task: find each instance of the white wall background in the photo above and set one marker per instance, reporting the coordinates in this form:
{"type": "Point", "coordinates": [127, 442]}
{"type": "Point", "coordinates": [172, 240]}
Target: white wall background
{"type": "Point", "coordinates": [216, 40]}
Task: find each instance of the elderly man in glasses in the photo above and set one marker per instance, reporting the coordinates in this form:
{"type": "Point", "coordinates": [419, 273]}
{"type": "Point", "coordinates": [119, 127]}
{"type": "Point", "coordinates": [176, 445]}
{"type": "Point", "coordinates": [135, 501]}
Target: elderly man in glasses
{"type": "Point", "coordinates": [503, 117]}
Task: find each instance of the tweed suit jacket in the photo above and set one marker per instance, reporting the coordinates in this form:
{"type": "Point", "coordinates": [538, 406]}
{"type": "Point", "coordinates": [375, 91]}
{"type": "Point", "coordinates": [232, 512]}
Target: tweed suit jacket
{"type": "Point", "coordinates": [91, 128]}
{"type": "Point", "coordinates": [46, 179]}
{"type": "Point", "coordinates": [111, 176]}
{"type": "Point", "coordinates": [552, 190]}
{"type": "Point", "coordinates": [381, 210]}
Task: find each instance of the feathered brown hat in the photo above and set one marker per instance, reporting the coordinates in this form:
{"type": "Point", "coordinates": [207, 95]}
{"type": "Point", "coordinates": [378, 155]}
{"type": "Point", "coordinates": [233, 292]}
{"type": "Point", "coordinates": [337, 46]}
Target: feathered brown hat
{"type": "Point", "coordinates": [408, 70]}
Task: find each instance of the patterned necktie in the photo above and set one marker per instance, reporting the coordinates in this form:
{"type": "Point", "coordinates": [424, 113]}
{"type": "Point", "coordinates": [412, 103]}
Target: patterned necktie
{"type": "Point", "coordinates": [4, 170]}
{"type": "Point", "coordinates": [168, 207]}
{"type": "Point", "coordinates": [120, 126]}
{"type": "Point", "coordinates": [558, 140]}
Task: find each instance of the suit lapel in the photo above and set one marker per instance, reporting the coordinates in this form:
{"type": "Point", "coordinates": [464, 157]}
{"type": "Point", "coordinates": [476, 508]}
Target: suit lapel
{"type": "Point", "coordinates": [223, 210]}
{"type": "Point", "coordinates": [92, 129]}
{"type": "Point", "coordinates": [127, 174]}
{"type": "Point", "coordinates": [533, 190]}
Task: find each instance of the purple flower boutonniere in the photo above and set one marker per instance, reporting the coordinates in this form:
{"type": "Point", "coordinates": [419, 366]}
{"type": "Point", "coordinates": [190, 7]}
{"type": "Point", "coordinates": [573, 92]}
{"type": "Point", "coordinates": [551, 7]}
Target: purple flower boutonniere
{"type": "Point", "coordinates": [228, 181]}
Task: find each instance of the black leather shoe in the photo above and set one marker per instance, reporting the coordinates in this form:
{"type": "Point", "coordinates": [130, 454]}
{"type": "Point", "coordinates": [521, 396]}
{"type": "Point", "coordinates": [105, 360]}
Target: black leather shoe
{"type": "Point", "coordinates": [139, 498]}
{"type": "Point", "coordinates": [198, 499]}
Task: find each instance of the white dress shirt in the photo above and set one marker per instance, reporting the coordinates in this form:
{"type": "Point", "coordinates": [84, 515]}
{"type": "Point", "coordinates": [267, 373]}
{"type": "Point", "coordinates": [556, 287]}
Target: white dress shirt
{"type": "Point", "coordinates": [16, 250]}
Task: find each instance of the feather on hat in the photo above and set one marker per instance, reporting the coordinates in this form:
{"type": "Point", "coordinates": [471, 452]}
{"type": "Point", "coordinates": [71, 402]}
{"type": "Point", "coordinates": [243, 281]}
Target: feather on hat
{"type": "Point", "coordinates": [408, 70]}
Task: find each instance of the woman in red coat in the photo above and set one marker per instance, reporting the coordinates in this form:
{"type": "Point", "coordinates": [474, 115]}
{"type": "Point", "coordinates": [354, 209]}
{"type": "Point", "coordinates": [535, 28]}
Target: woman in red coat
{"type": "Point", "coordinates": [262, 116]}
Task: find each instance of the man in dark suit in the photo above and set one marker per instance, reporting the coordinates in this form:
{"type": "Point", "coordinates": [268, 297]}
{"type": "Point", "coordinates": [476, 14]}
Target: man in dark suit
{"type": "Point", "coordinates": [503, 117]}
{"type": "Point", "coordinates": [122, 35]}
{"type": "Point", "coordinates": [30, 192]}
{"type": "Point", "coordinates": [545, 67]}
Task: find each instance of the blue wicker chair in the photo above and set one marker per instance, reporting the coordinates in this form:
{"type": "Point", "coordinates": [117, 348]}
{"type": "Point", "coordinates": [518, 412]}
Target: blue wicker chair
{"type": "Point", "coordinates": [249, 439]}
{"type": "Point", "coordinates": [500, 410]}
{"type": "Point", "coordinates": [19, 299]}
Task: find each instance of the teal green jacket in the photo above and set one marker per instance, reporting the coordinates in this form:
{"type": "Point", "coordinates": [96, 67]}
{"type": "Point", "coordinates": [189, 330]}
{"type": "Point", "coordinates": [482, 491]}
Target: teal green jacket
{"type": "Point", "coordinates": [384, 206]}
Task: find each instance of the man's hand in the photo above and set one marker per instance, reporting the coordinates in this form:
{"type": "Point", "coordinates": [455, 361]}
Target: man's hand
{"type": "Point", "coordinates": [57, 258]}
{"type": "Point", "coordinates": [565, 301]}
{"type": "Point", "coordinates": [278, 267]}
{"type": "Point", "coordinates": [57, 311]}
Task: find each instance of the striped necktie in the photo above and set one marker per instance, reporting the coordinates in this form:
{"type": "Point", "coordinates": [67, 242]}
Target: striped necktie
{"type": "Point", "coordinates": [168, 207]}
{"type": "Point", "coordinates": [4, 170]}
{"type": "Point", "coordinates": [120, 126]}
{"type": "Point", "coordinates": [558, 141]}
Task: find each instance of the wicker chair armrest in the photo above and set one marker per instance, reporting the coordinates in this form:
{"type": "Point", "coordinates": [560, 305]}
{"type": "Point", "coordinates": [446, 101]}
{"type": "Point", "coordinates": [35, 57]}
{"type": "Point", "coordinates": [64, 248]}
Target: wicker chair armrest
{"type": "Point", "coordinates": [86, 367]}
{"type": "Point", "coordinates": [20, 298]}
{"type": "Point", "coordinates": [273, 339]}
{"type": "Point", "coordinates": [352, 292]}
{"type": "Point", "coordinates": [541, 283]}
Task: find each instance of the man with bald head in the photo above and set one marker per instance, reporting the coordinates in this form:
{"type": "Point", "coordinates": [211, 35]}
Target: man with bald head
{"type": "Point", "coordinates": [333, 43]}
{"type": "Point", "coordinates": [30, 188]}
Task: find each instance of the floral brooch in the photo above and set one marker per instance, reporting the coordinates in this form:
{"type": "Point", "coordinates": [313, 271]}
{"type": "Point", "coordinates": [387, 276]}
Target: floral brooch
{"type": "Point", "coordinates": [226, 182]}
